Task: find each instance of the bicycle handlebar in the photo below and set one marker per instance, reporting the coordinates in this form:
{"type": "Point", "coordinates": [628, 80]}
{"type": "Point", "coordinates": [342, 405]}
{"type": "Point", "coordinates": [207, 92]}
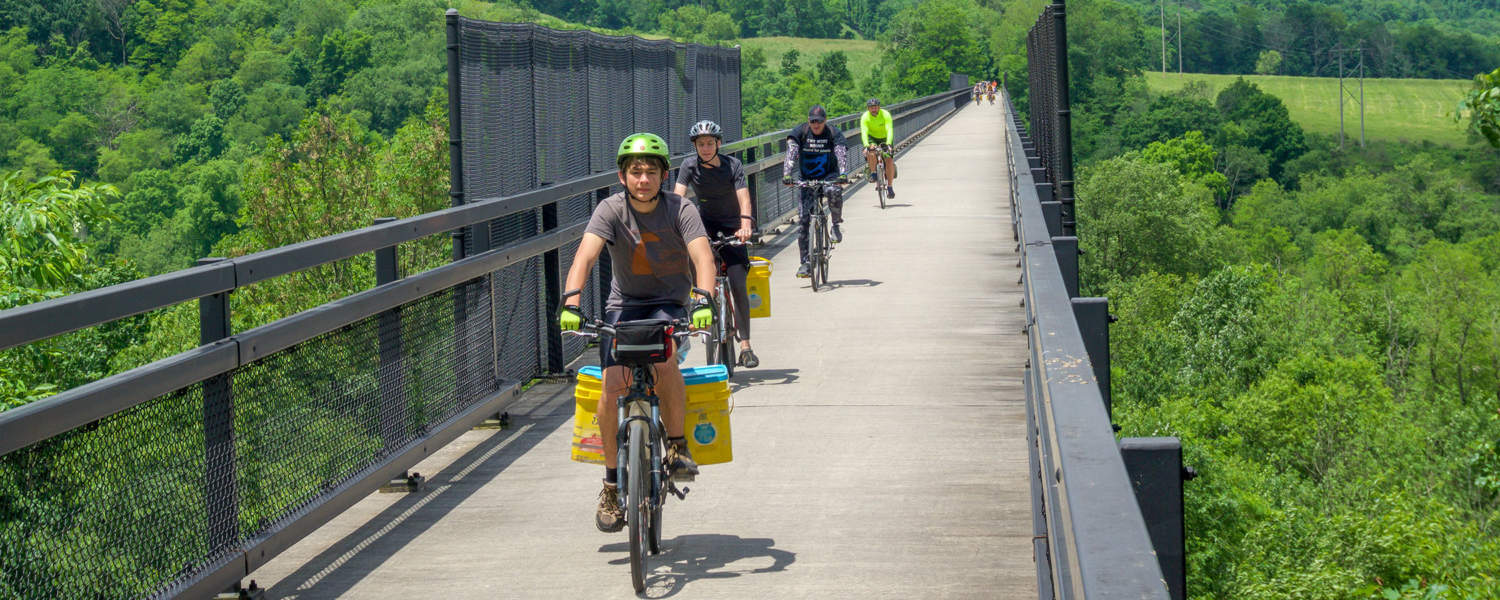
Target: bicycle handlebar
{"type": "Point", "coordinates": [818, 183]}
{"type": "Point", "coordinates": [681, 329]}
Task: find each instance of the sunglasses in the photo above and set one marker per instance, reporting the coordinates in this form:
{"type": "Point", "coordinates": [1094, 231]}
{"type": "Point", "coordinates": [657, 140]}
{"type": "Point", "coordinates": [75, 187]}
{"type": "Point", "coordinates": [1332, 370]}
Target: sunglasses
{"type": "Point", "coordinates": [815, 121]}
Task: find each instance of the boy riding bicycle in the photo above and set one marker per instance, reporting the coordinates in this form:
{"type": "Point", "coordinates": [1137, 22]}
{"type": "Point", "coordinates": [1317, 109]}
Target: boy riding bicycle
{"type": "Point", "coordinates": [815, 151]}
{"type": "Point", "coordinates": [878, 129]}
{"type": "Point", "coordinates": [724, 203]}
{"type": "Point", "coordinates": [658, 251]}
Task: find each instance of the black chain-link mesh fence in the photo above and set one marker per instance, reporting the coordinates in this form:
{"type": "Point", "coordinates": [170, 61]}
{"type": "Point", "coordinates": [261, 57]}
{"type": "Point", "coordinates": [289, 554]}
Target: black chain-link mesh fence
{"type": "Point", "coordinates": [129, 505]}
{"type": "Point", "coordinates": [1041, 66]}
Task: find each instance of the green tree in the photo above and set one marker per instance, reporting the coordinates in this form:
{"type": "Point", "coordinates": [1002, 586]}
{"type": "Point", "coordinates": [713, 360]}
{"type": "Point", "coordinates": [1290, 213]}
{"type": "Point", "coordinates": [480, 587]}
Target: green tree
{"type": "Point", "coordinates": [1268, 63]}
{"type": "Point", "coordinates": [204, 141]}
{"type": "Point", "coordinates": [930, 40]}
{"type": "Point", "coordinates": [1482, 104]}
{"type": "Point", "coordinates": [1122, 197]}
{"type": "Point", "coordinates": [789, 64]}
{"type": "Point", "coordinates": [1268, 127]}
{"type": "Point", "coordinates": [693, 23]}
{"type": "Point", "coordinates": [833, 69]}
{"type": "Point", "coordinates": [45, 222]}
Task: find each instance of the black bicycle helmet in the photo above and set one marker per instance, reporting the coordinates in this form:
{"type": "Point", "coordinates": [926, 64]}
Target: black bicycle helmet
{"type": "Point", "coordinates": [705, 127]}
{"type": "Point", "coordinates": [872, 102]}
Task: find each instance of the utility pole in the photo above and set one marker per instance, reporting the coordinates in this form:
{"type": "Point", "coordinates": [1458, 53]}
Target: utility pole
{"type": "Point", "coordinates": [1341, 98]}
{"type": "Point", "coordinates": [1163, 37]}
{"type": "Point", "coordinates": [1361, 96]}
{"type": "Point", "coordinates": [1179, 39]}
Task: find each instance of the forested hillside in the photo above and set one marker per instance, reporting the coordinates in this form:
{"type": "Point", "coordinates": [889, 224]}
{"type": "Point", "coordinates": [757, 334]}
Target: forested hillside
{"type": "Point", "coordinates": [1409, 39]}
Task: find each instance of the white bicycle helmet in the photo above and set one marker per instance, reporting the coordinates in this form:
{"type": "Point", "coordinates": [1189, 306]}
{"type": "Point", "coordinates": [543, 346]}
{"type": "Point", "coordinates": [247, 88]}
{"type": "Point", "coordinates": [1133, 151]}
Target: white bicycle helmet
{"type": "Point", "coordinates": [705, 127]}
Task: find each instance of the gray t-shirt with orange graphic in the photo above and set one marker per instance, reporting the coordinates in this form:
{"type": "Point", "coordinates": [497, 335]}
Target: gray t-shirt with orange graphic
{"type": "Point", "coordinates": [648, 251]}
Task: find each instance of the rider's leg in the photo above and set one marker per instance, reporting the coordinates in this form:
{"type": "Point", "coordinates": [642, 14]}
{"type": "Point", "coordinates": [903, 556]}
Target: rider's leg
{"type": "Point", "coordinates": [836, 204]}
{"type": "Point", "coordinates": [870, 161]}
{"type": "Point", "coordinates": [673, 394]}
{"type": "Point", "coordinates": [738, 273]}
{"type": "Point", "coordinates": [805, 214]}
{"type": "Point", "coordinates": [616, 381]}
{"type": "Point", "coordinates": [890, 169]}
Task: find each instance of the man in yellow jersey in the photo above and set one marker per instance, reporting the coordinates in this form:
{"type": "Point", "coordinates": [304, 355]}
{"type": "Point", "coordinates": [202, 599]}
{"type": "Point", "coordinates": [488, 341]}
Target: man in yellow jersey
{"type": "Point", "coordinates": [877, 128]}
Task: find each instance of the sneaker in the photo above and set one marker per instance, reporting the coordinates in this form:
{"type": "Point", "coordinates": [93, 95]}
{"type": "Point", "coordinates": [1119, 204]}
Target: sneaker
{"type": "Point", "coordinates": [748, 359]}
{"type": "Point", "coordinates": [838, 236]}
{"type": "Point", "coordinates": [890, 190]}
{"type": "Point", "coordinates": [680, 462]}
{"type": "Point", "coordinates": [872, 177]}
{"type": "Point", "coordinates": [610, 517]}
{"type": "Point", "coordinates": [804, 271]}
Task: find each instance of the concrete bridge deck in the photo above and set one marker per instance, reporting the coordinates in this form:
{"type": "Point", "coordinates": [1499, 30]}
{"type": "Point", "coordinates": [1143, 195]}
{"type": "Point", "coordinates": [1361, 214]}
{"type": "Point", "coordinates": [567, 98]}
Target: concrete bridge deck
{"type": "Point", "coordinates": [880, 448]}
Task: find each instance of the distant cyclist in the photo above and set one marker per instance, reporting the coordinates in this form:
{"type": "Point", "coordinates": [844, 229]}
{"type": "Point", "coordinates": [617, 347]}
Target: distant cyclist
{"type": "Point", "coordinates": [877, 128]}
{"type": "Point", "coordinates": [815, 152]}
{"type": "Point", "coordinates": [658, 252]}
{"type": "Point", "coordinates": [724, 203]}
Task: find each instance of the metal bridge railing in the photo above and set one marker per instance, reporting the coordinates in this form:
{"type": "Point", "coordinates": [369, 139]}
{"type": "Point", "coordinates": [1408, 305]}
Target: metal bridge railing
{"type": "Point", "coordinates": [1091, 535]}
{"type": "Point", "coordinates": [180, 477]}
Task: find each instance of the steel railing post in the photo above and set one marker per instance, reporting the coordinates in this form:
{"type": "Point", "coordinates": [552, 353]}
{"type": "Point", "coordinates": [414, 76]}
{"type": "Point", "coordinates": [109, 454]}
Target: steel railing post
{"type": "Point", "coordinates": [1093, 319]}
{"type": "Point", "coordinates": [1066, 247]}
{"type": "Point", "coordinates": [552, 291]}
{"type": "Point", "coordinates": [220, 492]}
{"type": "Point", "coordinates": [1155, 468]}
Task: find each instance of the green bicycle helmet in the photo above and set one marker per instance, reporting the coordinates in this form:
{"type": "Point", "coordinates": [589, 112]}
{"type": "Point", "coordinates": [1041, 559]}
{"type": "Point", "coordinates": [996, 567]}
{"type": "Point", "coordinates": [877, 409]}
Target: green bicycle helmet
{"type": "Point", "coordinates": [643, 144]}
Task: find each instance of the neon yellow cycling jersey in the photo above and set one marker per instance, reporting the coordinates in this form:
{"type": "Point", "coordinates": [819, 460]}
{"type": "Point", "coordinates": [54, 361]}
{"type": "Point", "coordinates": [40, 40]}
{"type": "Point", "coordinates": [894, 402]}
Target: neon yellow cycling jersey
{"type": "Point", "coordinates": [881, 126]}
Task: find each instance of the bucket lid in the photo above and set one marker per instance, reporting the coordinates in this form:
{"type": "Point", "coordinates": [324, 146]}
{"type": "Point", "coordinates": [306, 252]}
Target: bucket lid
{"type": "Point", "coordinates": [690, 375]}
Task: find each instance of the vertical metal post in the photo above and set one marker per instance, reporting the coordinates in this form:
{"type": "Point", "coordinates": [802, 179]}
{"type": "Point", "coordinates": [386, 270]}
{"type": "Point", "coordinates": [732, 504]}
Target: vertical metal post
{"type": "Point", "coordinates": [1093, 319]}
{"type": "Point", "coordinates": [753, 186]}
{"type": "Point", "coordinates": [606, 267]}
{"type": "Point", "coordinates": [455, 128]}
{"type": "Point", "coordinates": [552, 293]}
{"type": "Point", "coordinates": [220, 493]}
{"type": "Point", "coordinates": [1340, 52]}
{"type": "Point", "coordinates": [1066, 247]}
{"type": "Point", "coordinates": [1064, 141]}
{"type": "Point", "coordinates": [393, 417]}
{"type": "Point", "coordinates": [1156, 472]}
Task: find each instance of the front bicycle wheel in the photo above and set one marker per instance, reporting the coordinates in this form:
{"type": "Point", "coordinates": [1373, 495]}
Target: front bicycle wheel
{"type": "Point", "coordinates": [880, 180]}
{"type": "Point", "coordinates": [637, 501]}
{"type": "Point", "coordinates": [822, 272]}
{"type": "Point", "coordinates": [715, 333]}
{"type": "Point", "coordinates": [727, 334]}
{"type": "Point", "coordinates": [816, 252]}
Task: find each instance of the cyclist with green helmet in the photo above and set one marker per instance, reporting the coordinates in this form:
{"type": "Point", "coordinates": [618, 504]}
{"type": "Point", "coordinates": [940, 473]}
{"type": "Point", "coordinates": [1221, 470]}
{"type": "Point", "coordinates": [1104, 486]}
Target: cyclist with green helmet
{"type": "Point", "coordinates": [658, 253]}
{"type": "Point", "coordinates": [877, 128]}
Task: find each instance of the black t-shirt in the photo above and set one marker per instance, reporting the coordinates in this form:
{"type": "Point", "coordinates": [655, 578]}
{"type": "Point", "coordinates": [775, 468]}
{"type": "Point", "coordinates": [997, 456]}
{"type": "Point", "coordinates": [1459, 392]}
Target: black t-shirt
{"type": "Point", "coordinates": [715, 187]}
{"type": "Point", "coordinates": [817, 158]}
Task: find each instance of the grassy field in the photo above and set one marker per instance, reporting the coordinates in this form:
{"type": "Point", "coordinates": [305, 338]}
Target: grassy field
{"type": "Point", "coordinates": [863, 54]}
{"type": "Point", "coordinates": [1396, 109]}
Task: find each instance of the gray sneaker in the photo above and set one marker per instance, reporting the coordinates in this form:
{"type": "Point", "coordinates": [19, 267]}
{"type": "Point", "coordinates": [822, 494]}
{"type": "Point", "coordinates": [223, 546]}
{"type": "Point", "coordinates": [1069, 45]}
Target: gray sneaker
{"type": "Point", "coordinates": [610, 518]}
{"type": "Point", "coordinates": [680, 462]}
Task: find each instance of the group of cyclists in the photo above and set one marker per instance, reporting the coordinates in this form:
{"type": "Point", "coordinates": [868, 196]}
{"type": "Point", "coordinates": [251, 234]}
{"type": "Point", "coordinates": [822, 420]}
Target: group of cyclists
{"type": "Point", "coordinates": [663, 263]}
{"type": "Point", "coordinates": [985, 89]}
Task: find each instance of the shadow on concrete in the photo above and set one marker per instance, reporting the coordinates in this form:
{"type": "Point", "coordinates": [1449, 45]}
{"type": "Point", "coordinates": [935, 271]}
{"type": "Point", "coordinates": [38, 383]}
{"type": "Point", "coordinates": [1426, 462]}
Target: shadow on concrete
{"type": "Point", "coordinates": [336, 570]}
{"type": "Point", "coordinates": [744, 378]}
{"type": "Point", "coordinates": [853, 283]}
{"type": "Point", "coordinates": [688, 558]}
{"type": "Point", "coordinates": [894, 205]}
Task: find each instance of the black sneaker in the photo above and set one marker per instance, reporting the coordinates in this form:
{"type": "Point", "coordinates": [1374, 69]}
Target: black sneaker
{"type": "Point", "coordinates": [804, 271]}
{"type": "Point", "coordinates": [872, 177]}
{"type": "Point", "coordinates": [890, 190]}
{"type": "Point", "coordinates": [609, 518]}
{"type": "Point", "coordinates": [838, 236]}
{"type": "Point", "coordinates": [748, 359]}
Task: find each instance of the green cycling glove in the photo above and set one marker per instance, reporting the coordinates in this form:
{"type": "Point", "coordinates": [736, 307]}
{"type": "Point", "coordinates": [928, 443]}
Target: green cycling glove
{"type": "Point", "coordinates": [569, 319]}
{"type": "Point", "coordinates": [703, 316]}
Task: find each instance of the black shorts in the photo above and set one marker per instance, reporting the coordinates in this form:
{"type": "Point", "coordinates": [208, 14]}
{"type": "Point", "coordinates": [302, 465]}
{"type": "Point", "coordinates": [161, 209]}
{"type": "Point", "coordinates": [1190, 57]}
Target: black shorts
{"type": "Point", "coordinates": [731, 255]}
{"type": "Point", "coordinates": [658, 311]}
{"type": "Point", "coordinates": [875, 141]}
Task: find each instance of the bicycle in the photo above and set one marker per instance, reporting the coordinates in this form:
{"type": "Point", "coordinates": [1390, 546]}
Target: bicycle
{"type": "Point", "coordinates": [881, 185]}
{"type": "Point", "coordinates": [721, 338]}
{"type": "Point", "coordinates": [641, 437]}
{"type": "Point", "coordinates": [819, 248]}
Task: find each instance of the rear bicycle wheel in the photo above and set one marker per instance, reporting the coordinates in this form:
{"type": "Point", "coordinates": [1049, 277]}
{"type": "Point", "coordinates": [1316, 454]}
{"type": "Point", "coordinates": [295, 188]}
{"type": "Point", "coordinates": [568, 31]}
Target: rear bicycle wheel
{"type": "Point", "coordinates": [637, 501]}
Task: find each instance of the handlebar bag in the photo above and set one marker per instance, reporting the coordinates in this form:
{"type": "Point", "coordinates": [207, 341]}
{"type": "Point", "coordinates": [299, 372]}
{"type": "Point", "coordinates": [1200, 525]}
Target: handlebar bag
{"type": "Point", "coordinates": [646, 341]}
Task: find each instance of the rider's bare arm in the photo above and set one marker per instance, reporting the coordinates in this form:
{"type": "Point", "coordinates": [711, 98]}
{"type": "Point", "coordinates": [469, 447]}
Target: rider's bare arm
{"type": "Point", "coordinates": [702, 255]}
{"type": "Point", "coordinates": [583, 262]}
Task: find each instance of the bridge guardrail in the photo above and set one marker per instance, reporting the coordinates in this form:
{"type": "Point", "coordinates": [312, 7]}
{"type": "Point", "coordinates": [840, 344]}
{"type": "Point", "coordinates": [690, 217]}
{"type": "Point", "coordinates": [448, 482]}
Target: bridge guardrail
{"type": "Point", "coordinates": [1090, 538]}
{"type": "Point", "coordinates": [184, 475]}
